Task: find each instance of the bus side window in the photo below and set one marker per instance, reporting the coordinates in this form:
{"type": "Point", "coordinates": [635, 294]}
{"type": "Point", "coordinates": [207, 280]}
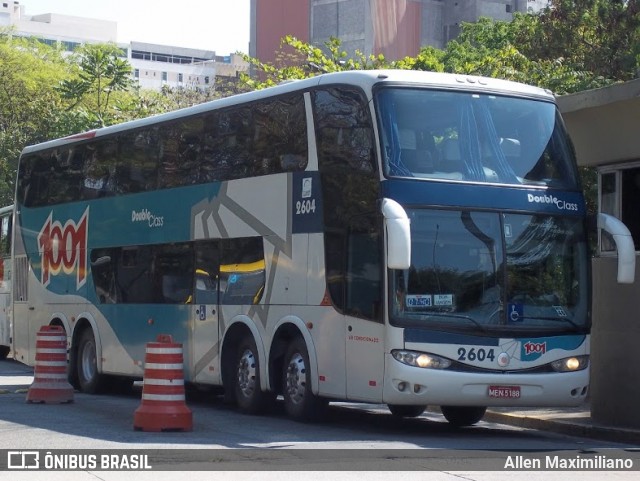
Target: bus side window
{"type": "Point", "coordinates": [103, 262]}
{"type": "Point", "coordinates": [139, 152]}
{"type": "Point", "coordinates": [206, 272]}
{"type": "Point", "coordinates": [242, 271]}
{"type": "Point", "coordinates": [280, 140]}
{"type": "Point", "coordinates": [172, 273]}
{"type": "Point", "coordinates": [169, 162]}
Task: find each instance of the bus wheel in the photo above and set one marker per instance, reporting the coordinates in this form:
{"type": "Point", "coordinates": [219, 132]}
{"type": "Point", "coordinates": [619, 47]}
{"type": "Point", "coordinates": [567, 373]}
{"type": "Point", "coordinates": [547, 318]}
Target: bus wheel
{"type": "Point", "coordinates": [4, 352]}
{"type": "Point", "coordinates": [299, 402]}
{"type": "Point", "coordinates": [249, 397]}
{"type": "Point", "coordinates": [463, 415]}
{"type": "Point", "coordinates": [402, 411]}
{"type": "Point", "coordinates": [88, 377]}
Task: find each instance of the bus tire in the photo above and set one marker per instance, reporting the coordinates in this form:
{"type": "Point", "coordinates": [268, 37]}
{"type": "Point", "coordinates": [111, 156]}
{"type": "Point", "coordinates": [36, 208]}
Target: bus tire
{"type": "Point", "coordinates": [460, 416]}
{"type": "Point", "coordinates": [89, 380]}
{"type": "Point", "coordinates": [4, 352]}
{"type": "Point", "coordinates": [299, 401]}
{"type": "Point", "coordinates": [406, 411]}
{"type": "Point", "coordinates": [249, 396]}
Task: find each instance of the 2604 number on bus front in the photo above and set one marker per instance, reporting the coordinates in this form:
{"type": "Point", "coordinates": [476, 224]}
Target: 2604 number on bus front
{"type": "Point", "coordinates": [476, 354]}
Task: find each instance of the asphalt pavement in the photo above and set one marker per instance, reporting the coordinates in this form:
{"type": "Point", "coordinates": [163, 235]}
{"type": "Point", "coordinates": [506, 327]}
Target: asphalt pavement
{"type": "Point", "coordinates": [576, 421]}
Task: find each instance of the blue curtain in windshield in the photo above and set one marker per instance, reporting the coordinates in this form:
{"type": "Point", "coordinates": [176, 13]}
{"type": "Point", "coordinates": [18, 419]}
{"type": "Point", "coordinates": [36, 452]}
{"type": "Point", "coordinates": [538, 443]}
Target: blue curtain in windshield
{"type": "Point", "coordinates": [391, 153]}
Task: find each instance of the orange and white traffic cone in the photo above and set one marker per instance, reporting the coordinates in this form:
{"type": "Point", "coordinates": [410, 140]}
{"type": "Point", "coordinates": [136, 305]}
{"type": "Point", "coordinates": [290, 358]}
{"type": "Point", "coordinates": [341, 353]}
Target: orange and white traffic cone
{"type": "Point", "coordinates": [163, 405]}
{"type": "Point", "coordinates": [50, 384]}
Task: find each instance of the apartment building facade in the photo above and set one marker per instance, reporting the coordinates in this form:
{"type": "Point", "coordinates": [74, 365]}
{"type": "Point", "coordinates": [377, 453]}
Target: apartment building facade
{"type": "Point", "coordinates": [154, 66]}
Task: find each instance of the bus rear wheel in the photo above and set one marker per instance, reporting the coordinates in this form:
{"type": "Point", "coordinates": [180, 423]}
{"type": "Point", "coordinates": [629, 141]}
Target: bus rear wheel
{"type": "Point", "coordinates": [89, 380]}
{"type": "Point", "coordinates": [299, 401]}
{"type": "Point", "coordinates": [460, 416]}
{"type": "Point", "coordinates": [249, 396]}
{"type": "Point", "coordinates": [403, 411]}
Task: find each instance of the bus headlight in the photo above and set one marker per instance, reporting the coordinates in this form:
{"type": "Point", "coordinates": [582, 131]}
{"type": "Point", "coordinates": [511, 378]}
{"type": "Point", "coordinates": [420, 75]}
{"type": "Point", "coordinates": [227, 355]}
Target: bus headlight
{"type": "Point", "coordinates": [421, 359]}
{"type": "Point", "coordinates": [570, 364]}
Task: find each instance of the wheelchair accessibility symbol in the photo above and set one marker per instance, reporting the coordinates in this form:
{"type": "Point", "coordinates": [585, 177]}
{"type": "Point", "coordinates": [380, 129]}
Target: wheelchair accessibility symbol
{"type": "Point", "coordinates": [515, 312]}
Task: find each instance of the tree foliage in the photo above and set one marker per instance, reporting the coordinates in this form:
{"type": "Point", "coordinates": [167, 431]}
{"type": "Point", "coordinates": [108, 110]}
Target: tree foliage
{"type": "Point", "coordinates": [299, 60]}
{"type": "Point", "coordinates": [570, 46]}
{"type": "Point", "coordinates": [29, 103]}
{"type": "Point", "coordinates": [101, 72]}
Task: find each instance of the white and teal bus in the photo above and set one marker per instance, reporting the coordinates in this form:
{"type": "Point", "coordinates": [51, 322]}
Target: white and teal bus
{"type": "Point", "coordinates": [6, 221]}
{"type": "Point", "coordinates": [396, 237]}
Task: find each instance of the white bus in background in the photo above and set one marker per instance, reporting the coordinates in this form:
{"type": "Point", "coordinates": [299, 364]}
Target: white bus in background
{"type": "Point", "coordinates": [6, 221]}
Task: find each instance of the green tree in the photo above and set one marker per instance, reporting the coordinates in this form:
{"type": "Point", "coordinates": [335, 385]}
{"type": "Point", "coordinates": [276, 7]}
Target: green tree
{"type": "Point", "coordinates": [504, 50]}
{"type": "Point", "coordinates": [300, 60]}
{"type": "Point", "coordinates": [29, 101]}
{"type": "Point", "coordinates": [101, 72]}
{"type": "Point", "coordinates": [597, 36]}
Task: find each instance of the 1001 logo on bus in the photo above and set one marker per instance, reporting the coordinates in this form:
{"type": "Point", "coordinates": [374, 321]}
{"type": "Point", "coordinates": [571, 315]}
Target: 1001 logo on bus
{"type": "Point", "coordinates": [64, 248]}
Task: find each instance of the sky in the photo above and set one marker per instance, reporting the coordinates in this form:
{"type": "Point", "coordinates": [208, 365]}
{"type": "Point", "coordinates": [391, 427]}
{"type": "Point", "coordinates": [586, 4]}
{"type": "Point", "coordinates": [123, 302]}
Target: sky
{"type": "Point", "coordinates": [218, 25]}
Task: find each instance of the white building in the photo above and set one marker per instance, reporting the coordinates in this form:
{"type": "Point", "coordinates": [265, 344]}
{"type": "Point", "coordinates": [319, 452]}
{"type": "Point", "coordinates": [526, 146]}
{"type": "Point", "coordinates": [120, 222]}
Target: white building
{"type": "Point", "coordinates": [154, 66]}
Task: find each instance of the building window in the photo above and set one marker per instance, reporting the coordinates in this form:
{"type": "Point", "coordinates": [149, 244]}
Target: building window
{"type": "Point", "coordinates": [619, 192]}
{"type": "Point", "coordinates": [180, 77]}
{"type": "Point", "coordinates": [136, 73]}
{"type": "Point", "coordinates": [206, 80]}
{"type": "Point", "coordinates": [165, 76]}
{"type": "Point", "coordinates": [508, 8]}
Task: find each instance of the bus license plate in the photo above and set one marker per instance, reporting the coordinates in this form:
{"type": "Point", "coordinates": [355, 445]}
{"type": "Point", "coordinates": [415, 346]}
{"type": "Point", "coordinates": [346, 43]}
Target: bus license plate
{"type": "Point", "coordinates": [504, 392]}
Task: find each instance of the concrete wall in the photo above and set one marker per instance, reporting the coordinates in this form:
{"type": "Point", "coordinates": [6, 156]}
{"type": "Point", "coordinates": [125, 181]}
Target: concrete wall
{"type": "Point", "coordinates": [604, 124]}
{"type": "Point", "coordinates": [615, 373]}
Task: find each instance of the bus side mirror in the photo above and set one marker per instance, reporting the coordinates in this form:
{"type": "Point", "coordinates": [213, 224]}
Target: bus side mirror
{"type": "Point", "coordinates": [398, 229]}
{"type": "Point", "coordinates": [624, 245]}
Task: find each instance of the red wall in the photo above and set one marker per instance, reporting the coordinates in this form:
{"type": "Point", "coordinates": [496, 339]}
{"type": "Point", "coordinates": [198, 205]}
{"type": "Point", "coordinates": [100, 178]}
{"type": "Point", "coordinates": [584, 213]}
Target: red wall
{"type": "Point", "coordinates": [396, 26]}
{"type": "Point", "coordinates": [277, 18]}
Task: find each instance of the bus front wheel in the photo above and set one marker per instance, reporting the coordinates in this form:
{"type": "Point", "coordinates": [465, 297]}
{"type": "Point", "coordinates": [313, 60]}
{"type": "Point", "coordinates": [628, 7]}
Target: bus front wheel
{"type": "Point", "coordinates": [249, 396]}
{"type": "Point", "coordinates": [460, 416]}
{"type": "Point", "coordinates": [87, 363]}
{"type": "Point", "coordinates": [299, 401]}
{"type": "Point", "coordinates": [402, 411]}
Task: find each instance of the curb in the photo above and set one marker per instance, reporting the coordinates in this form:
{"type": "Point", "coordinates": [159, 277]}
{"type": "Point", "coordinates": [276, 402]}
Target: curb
{"type": "Point", "coordinates": [585, 430]}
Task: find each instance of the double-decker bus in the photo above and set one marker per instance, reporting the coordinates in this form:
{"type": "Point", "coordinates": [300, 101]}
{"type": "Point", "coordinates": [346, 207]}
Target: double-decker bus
{"type": "Point", "coordinates": [6, 221]}
{"type": "Point", "coordinates": [406, 238]}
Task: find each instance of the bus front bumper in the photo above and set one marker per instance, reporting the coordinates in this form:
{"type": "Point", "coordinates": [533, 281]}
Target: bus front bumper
{"type": "Point", "coordinates": [408, 385]}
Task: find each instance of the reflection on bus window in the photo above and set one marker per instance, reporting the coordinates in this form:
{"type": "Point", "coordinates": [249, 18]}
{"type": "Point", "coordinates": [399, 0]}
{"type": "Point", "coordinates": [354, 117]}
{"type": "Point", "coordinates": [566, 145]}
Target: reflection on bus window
{"type": "Point", "coordinates": [181, 273]}
{"type": "Point", "coordinates": [161, 274]}
{"type": "Point", "coordinates": [460, 136]}
{"type": "Point", "coordinates": [264, 138]}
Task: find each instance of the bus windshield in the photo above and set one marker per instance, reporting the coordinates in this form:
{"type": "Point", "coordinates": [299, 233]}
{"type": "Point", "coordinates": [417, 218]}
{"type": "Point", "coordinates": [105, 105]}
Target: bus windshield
{"type": "Point", "coordinates": [483, 270]}
{"type": "Point", "coordinates": [462, 136]}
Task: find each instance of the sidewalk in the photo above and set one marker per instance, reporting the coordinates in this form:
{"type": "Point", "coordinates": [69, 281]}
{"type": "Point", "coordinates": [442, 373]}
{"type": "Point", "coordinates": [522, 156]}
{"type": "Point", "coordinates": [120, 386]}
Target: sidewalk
{"type": "Point", "coordinates": [570, 421]}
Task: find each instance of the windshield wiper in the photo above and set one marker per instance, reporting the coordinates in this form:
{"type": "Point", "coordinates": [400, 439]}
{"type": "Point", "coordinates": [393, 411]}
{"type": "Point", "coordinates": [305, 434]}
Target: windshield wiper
{"type": "Point", "coordinates": [458, 316]}
{"type": "Point", "coordinates": [553, 318]}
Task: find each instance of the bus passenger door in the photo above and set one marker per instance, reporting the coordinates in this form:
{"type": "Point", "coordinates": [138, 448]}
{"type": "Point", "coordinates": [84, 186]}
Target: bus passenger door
{"type": "Point", "coordinates": [364, 326]}
{"type": "Point", "coordinates": [205, 333]}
